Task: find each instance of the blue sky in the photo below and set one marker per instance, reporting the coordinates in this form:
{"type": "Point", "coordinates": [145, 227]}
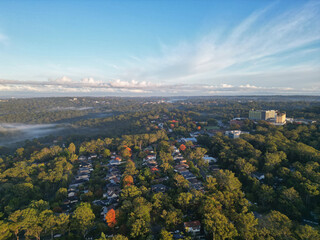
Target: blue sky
{"type": "Point", "coordinates": [102, 48]}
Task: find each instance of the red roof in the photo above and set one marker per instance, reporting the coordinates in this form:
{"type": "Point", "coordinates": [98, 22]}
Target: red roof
{"type": "Point", "coordinates": [193, 224]}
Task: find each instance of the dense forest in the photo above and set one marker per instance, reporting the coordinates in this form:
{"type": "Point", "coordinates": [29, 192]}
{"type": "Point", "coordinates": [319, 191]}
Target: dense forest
{"type": "Point", "coordinates": [162, 169]}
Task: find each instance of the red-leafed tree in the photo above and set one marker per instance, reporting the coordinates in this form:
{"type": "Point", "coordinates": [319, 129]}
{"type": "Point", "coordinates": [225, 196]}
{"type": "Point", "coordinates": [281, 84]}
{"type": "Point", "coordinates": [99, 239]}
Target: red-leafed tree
{"type": "Point", "coordinates": [127, 180]}
{"type": "Point", "coordinates": [182, 147]}
{"type": "Point", "coordinates": [111, 218]}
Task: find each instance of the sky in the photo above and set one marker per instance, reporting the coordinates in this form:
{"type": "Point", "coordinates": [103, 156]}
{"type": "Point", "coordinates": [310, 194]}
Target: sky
{"type": "Point", "coordinates": [159, 48]}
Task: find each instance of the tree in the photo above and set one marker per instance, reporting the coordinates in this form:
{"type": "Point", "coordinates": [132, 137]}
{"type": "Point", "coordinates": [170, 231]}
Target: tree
{"type": "Point", "coordinates": [165, 235]}
{"type": "Point", "coordinates": [4, 230]}
{"type": "Point", "coordinates": [211, 184]}
{"type": "Point", "coordinates": [181, 181]}
{"type": "Point", "coordinates": [127, 180]}
{"type": "Point", "coordinates": [219, 226]}
{"type": "Point", "coordinates": [244, 166]}
{"type": "Point", "coordinates": [32, 223]}
{"type": "Point", "coordinates": [61, 194]}
{"type": "Point", "coordinates": [182, 147]}
{"type": "Point", "coordinates": [184, 199]}
{"type": "Point", "coordinates": [227, 181]}
{"type": "Point", "coordinates": [62, 223]}
{"type": "Point", "coordinates": [139, 229]}
{"type": "Point", "coordinates": [306, 232]}
{"type": "Point", "coordinates": [72, 148]}
{"type": "Point", "coordinates": [102, 237]}
{"type": "Point", "coordinates": [83, 218]}
{"type": "Point", "coordinates": [278, 224]}
{"type": "Point", "coordinates": [20, 152]}
{"type": "Point", "coordinates": [291, 203]}
{"type": "Point", "coordinates": [49, 221]}
{"type": "Point", "coordinates": [126, 153]}
{"type": "Point", "coordinates": [172, 218]}
{"type": "Point", "coordinates": [130, 192]}
{"type": "Point", "coordinates": [118, 237]}
{"type": "Point", "coordinates": [130, 168]}
{"type": "Point", "coordinates": [106, 153]}
{"type": "Point", "coordinates": [266, 195]}
{"type": "Point", "coordinates": [246, 225]}
{"type": "Point", "coordinates": [111, 218]}
{"type": "Point", "coordinates": [274, 159]}
{"type": "Point", "coordinates": [16, 224]}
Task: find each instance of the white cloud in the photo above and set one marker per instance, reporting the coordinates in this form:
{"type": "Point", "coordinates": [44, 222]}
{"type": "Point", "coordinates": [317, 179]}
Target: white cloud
{"type": "Point", "coordinates": [4, 39]}
{"type": "Point", "coordinates": [263, 54]}
{"type": "Point", "coordinates": [260, 44]}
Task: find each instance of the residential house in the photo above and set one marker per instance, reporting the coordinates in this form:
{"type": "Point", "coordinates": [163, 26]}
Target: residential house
{"type": "Point", "coordinates": [158, 188]}
{"type": "Point", "coordinates": [192, 227]}
{"type": "Point", "coordinates": [258, 175]}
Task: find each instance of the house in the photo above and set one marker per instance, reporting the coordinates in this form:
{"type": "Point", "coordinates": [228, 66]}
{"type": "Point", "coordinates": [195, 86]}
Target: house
{"type": "Point", "coordinates": [71, 194]}
{"type": "Point", "coordinates": [115, 161]}
{"type": "Point", "coordinates": [82, 158]}
{"type": "Point", "coordinates": [234, 133]}
{"type": "Point", "coordinates": [83, 176]}
{"type": "Point", "coordinates": [176, 150]}
{"type": "Point", "coordinates": [115, 180]}
{"type": "Point", "coordinates": [158, 188]}
{"type": "Point", "coordinates": [196, 184]}
{"type": "Point", "coordinates": [181, 167]}
{"type": "Point", "coordinates": [188, 175]}
{"type": "Point", "coordinates": [184, 140]}
{"type": "Point", "coordinates": [73, 199]}
{"type": "Point", "coordinates": [214, 167]}
{"type": "Point", "coordinates": [99, 203]}
{"type": "Point", "coordinates": [160, 180]}
{"type": "Point", "coordinates": [258, 175]}
{"type": "Point", "coordinates": [154, 169]}
{"type": "Point", "coordinates": [178, 157]}
{"type": "Point", "coordinates": [183, 161]}
{"type": "Point", "coordinates": [192, 227]}
{"type": "Point", "coordinates": [209, 160]}
{"type": "Point", "coordinates": [150, 157]}
{"type": "Point", "coordinates": [111, 193]}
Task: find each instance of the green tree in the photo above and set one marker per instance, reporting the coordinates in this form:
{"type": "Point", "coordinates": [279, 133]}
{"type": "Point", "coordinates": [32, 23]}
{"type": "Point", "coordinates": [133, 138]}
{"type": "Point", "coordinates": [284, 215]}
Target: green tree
{"type": "Point", "coordinates": [83, 218]}
{"type": "Point", "coordinates": [278, 224]}
{"type": "Point", "coordinates": [139, 229]}
{"type": "Point", "coordinates": [306, 232]}
{"type": "Point", "coordinates": [165, 235]}
{"type": "Point", "coordinates": [16, 223]}
{"type": "Point", "coordinates": [291, 203]}
{"type": "Point", "coordinates": [172, 218]}
{"type": "Point", "coordinates": [219, 226]}
{"type": "Point", "coordinates": [72, 148]}
{"type": "Point", "coordinates": [106, 153]}
{"type": "Point", "coordinates": [227, 181]}
{"type": "Point", "coordinates": [181, 181]}
{"type": "Point", "coordinates": [4, 230]}
{"type": "Point", "coordinates": [184, 199]}
{"type": "Point", "coordinates": [130, 192]}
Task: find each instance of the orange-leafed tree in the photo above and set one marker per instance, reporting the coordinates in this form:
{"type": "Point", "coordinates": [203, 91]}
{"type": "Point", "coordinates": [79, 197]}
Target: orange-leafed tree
{"type": "Point", "coordinates": [182, 147]}
{"type": "Point", "coordinates": [172, 125]}
{"type": "Point", "coordinates": [199, 127]}
{"type": "Point", "coordinates": [127, 180]}
{"type": "Point", "coordinates": [111, 218]}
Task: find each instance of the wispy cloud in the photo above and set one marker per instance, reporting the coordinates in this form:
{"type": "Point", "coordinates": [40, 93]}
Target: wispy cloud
{"type": "Point", "coordinates": [262, 43]}
{"type": "Point", "coordinates": [266, 53]}
{"type": "Point", "coordinates": [3, 38]}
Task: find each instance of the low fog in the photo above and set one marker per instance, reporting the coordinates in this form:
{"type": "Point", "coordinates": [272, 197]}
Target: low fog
{"type": "Point", "coordinates": [11, 133]}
